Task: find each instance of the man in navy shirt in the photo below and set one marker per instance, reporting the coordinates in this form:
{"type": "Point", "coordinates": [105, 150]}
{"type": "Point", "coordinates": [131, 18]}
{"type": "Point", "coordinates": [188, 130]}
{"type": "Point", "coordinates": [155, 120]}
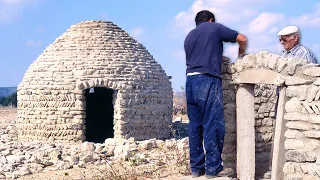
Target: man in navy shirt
{"type": "Point", "coordinates": [204, 47]}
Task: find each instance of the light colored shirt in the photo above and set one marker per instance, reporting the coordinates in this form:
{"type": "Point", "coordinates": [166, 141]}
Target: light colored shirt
{"type": "Point", "coordinates": [302, 52]}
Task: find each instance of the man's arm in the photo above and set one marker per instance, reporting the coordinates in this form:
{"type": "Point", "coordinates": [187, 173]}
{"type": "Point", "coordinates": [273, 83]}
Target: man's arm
{"type": "Point", "coordinates": [242, 41]}
{"type": "Point", "coordinates": [229, 35]}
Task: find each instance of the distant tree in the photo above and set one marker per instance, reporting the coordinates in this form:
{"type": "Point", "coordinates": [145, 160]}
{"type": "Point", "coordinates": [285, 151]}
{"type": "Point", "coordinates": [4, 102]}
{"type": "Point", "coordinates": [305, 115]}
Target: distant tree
{"type": "Point", "coordinates": [2, 99]}
{"type": "Point", "coordinates": [9, 101]}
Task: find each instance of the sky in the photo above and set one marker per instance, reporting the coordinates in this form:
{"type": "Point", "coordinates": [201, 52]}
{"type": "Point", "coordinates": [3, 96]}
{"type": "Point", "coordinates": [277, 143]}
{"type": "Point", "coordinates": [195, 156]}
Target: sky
{"type": "Point", "coordinates": [27, 27]}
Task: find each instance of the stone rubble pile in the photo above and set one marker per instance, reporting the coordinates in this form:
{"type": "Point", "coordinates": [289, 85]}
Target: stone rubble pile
{"type": "Point", "coordinates": [24, 158]}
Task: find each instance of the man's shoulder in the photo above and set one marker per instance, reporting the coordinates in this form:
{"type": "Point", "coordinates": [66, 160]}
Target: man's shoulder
{"type": "Point", "coordinates": [211, 24]}
{"type": "Point", "coordinates": [308, 54]}
{"type": "Point", "coordinates": [305, 49]}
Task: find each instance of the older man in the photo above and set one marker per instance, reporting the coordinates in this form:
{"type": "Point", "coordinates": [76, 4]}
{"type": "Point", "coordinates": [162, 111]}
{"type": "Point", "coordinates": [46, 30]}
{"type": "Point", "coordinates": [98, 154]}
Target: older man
{"type": "Point", "coordinates": [290, 39]}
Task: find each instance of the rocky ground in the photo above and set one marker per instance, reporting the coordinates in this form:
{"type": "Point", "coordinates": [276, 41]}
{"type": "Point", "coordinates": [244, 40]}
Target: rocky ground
{"type": "Point", "coordinates": [113, 159]}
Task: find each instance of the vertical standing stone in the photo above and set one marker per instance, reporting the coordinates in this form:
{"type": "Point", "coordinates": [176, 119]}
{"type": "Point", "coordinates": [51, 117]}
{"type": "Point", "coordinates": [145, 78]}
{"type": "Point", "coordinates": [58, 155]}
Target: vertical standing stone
{"type": "Point", "coordinates": [278, 158]}
{"type": "Point", "coordinates": [245, 132]}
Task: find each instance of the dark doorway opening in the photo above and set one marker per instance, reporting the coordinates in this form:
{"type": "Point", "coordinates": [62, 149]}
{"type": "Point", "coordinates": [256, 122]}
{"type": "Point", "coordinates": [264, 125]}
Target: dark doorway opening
{"type": "Point", "coordinates": [99, 114]}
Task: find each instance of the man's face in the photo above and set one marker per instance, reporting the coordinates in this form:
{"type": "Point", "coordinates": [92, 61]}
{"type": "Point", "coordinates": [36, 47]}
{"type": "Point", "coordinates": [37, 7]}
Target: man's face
{"type": "Point", "coordinates": [288, 41]}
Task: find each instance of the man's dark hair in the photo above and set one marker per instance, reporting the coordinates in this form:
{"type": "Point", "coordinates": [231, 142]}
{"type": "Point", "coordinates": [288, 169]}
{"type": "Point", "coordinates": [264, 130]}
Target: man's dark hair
{"type": "Point", "coordinates": [204, 15]}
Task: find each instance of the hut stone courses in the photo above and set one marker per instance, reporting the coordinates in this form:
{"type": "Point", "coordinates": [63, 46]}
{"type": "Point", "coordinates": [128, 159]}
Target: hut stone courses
{"type": "Point", "coordinates": [93, 54]}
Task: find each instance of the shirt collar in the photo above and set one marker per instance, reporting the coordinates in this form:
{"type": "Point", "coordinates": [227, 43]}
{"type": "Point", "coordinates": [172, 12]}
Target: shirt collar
{"type": "Point", "coordinates": [201, 23]}
{"type": "Point", "coordinates": [294, 48]}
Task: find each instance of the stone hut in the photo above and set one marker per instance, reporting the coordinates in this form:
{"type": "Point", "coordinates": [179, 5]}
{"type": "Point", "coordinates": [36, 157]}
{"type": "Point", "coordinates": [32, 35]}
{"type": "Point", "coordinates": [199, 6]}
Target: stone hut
{"type": "Point", "coordinates": [94, 82]}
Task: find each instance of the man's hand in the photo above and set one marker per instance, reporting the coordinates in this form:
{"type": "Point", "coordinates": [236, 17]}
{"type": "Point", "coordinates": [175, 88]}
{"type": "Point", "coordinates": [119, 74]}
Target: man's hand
{"type": "Point", "coordinates": [241, 55]}
{"type": "Point", "coordinates": [242, 41]}
{"type": "Point", "coordinates": [226, 60]}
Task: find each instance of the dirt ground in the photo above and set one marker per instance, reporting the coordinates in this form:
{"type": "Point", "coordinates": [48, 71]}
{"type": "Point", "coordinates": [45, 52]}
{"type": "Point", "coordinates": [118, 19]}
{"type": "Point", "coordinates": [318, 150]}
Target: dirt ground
{"type": "Point", "coordinates": [8, 116]}
{"type": "Point", "coordinates": [92, 173]}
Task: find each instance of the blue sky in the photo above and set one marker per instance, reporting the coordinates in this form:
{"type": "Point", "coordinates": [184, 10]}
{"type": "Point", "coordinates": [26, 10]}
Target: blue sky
{"type": "Point", "coordinates": [28, 26]}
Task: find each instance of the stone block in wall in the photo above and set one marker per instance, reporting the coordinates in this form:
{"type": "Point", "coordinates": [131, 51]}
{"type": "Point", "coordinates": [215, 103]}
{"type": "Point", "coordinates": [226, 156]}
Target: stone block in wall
{"type": "Point", "coordinates": [302, 144]}
{"type": "Point", "coordinates": [312, 93]}
{"type": "Point", "coordinates": [312, 70]}
{"type": "Point", "coordinates": [267, 121]}
{"type": "Point", "coordinates": [229, 157]}
{"type": "Point", "coordinates": [293, 105]}
{"type": "Point", "coordinates": [263, 147]}
{"type": "Point", "coordinates": [229, 96]}
{"type": "Point", "coordinates": [292, 80]}
{"type": "Point", "coordinates": [302, 117]}
{"type": "Point", "coordinates": [293, 64]}
{"type": "Point", "coordinates": [282, 64]}
{"type": "Point", "coordinates": [308, 171]}
{"type": "Point", "coordinates": [230, 138]}
{"type": "Point", "coordinates": [273, 60]}
{"type": "Point", "coordinates": [230, 127]}
{"type": "Point", "coordinates": [301, 156]}
{"type": "Point", "coordinates": [294, 134]}
{"type": "Point", "coordinates": [302, 125]}
{"type": "Point", "coordinates": [230, 118]}
{"type": "Point", "coordinates": [266, 137]}
{"type": "Point", "coordinates": [265, 129]}
{"type": "Point", "coordinates": [312, 134]}
{"type": "Point", "coordinates": [298, 91]}
{"type": "Point", "coordinates": [229, 148]}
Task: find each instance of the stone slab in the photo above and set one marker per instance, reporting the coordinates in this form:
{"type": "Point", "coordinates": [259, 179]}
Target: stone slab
{"type": "Point", "coordinates": [260, 76]}
{"type": "Point", "coordinates": [245, 132]}
{"type": "Point", "coordinates": [278, 159]}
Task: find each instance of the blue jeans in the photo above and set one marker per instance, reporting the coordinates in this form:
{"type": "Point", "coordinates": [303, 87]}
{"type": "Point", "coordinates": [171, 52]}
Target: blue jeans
{"type": "Point", "coordinates": [206, 123]}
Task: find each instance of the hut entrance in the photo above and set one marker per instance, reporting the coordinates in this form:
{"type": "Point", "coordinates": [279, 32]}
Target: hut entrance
{"type": "Point", "coordinates": [99, 114]}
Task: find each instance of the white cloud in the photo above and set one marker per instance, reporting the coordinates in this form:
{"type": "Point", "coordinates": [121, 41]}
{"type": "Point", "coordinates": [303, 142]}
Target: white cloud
{"type": "Point", "coordinates": [226, 11]}
{"type": "Point", "coordinates": [266, 21]}
{"type": "Point", "coordinates": [32, 43]}
{"type": "Point", "coordinates": [231, 52]}
{"type": "Point", "coordinates": [135, 32]}
{"type": "Point", "coordinates": [259, 27]}
{"type": "Point", "coordinates": [311, 19]}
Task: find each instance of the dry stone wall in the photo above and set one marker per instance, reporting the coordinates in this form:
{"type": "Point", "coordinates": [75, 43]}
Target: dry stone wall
{"type": "Point", "coordinates": [265, 105]}
{"type": "Point", "coordinates": [302, 111]}
{"type": "Point", "coordinates": [51, 101]}
{"type": "Point", "coordinates": [229, 95]}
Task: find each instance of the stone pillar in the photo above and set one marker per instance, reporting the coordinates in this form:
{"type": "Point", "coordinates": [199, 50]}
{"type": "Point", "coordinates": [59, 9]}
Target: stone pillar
{"type": "Point", "coordinates": [245, 132]}
{"type": "Point", "coordinates": [278, 157]}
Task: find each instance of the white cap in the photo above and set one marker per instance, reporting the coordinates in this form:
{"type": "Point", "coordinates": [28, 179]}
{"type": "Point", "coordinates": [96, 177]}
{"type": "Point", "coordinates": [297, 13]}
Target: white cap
{"type": "Point", "coordinates": [288, 30]}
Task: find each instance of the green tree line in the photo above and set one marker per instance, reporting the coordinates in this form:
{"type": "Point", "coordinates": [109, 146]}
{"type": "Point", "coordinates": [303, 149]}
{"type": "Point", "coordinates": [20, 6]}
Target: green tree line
{"type": "Point", "coordinates": [9, 100]}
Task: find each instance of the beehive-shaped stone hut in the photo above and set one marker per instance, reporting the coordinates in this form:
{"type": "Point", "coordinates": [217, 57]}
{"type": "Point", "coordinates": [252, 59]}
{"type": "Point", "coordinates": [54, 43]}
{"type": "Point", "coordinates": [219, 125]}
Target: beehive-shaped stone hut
{"type": "Point", "coordinates": [94, 82]}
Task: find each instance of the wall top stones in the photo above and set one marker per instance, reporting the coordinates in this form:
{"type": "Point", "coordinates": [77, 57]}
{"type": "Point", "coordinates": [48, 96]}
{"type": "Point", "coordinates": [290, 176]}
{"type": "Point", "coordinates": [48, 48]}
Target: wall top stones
{"type": "Point", "coordinates": [272, 69]}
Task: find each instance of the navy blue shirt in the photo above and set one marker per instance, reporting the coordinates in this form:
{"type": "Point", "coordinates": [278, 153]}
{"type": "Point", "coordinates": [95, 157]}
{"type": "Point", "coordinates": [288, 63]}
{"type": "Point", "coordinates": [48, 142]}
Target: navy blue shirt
{"type": "Point", "coordinates": [204, 47]}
